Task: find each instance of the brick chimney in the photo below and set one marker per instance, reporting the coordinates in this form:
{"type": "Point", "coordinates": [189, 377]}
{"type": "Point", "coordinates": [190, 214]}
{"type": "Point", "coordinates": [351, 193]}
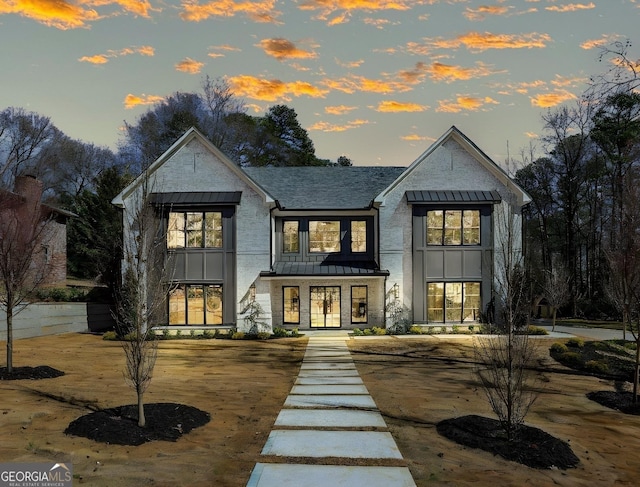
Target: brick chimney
{"type": "Point", "coordinates": [29, 188]}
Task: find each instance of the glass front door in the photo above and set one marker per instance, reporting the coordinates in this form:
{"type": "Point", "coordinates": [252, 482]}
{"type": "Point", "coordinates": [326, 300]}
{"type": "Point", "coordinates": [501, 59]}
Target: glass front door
{"type": "Point", "coordinates": [325, 306]}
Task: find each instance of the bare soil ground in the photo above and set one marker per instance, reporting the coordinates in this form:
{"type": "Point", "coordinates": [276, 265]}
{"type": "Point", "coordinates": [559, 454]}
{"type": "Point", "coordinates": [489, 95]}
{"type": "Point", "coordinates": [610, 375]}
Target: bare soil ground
{"type": "Point", "coordinates": [416, 383]}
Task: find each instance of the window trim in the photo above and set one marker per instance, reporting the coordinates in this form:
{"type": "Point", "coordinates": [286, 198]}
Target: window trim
{"type": "Point", "coordinates": [443, 298]}
{"type": "Point", "coordinates": [185, 300]}
{"type": "Point", "coordinates": [203, 229]}
{"type": "Point", "coordinates": [442, 230]}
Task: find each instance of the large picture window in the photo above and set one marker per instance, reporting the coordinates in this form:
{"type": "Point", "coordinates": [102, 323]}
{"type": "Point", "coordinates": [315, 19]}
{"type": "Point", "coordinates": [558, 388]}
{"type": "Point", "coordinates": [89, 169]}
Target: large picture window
{"type": "Point", "coordinates": [453, 227]}
{"type": "Point", "coordinates": [324, 236]}
{"type": "Point", "coordinates": [196, 305]}
{"type": "Point", "coordinates": [455, 302]}
{"type": "Point", "coordinates": [194, 229]}
{"type": "Point", "coordinates": [291, 304]}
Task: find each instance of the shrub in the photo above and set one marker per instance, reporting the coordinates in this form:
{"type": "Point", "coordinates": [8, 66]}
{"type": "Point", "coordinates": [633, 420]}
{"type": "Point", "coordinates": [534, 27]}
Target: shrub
{"type": "Point", "coordinates": [279, 332]}
{"type": "Point", "coordinates": [378, 331]}
{"type": "Point", "coordinates": [455, 329]}
{"type": "Point", "coordinates": [263, 335]}
{"type": "Point", "coordinates": [471, 328]}
{"type": "Point", "coordinates": [237, 335]}
{"type": "Point", "coordinates": [570, 359]}
{"type": "Point", "coordinates": [207, 334]}
{"type": "Point", "coordinates": [575, 343]}
{"type": "Point", "coordinates": [559, 348]}
{"type": "Point", "coordinates": [110, 335]}
{"type": "Point", "coordinates": [357, 332]}
{"type": "Point", "coordinates": [630, 345]}
{"type": "Point", "coordinates": [536, 330]}
{"type": "Point", "coordinates": [596, 367]}
{"type": "Point", "coordinates": [415, 330]}
{"type": "Point", "coordinates": [443, 329]}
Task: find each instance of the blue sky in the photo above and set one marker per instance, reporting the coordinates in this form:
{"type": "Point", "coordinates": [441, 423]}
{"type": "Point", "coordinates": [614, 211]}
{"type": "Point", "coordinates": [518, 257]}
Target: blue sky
{"type": "Point", "coordinates": [377, 81]}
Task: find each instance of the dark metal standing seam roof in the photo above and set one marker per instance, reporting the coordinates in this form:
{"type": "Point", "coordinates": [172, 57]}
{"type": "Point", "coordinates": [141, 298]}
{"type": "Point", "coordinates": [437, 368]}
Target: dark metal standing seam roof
{"type": "Point", "coordinates": [453, 196]}
{"type": "Point", "coordinates": [307, 269]}
{"type": "Point", "coordinates": [196, 198]}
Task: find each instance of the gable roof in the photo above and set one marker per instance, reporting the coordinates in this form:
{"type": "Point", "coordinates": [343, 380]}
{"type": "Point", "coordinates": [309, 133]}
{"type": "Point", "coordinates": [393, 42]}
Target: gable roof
{"type": "Point", "coordinates": [324, 187]}
{"type": "Point", "coordinates": [188, 136]}
{"type": "Point", "coordinates": [472, 149]}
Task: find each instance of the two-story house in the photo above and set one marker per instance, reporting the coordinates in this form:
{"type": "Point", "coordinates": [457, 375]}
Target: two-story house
{"type": "Point", "coordinates": [327, 247]}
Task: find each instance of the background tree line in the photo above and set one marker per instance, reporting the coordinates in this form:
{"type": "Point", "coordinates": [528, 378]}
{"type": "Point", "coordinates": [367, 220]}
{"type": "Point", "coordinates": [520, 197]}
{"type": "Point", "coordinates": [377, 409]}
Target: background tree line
{"type": "Point", "coordinates": [580, 191]}
{"type": "Point", "coordinates": [84, 178]}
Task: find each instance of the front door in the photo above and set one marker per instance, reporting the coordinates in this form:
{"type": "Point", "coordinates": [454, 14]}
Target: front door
{"type": "Point", "coordinates": [325, 306]}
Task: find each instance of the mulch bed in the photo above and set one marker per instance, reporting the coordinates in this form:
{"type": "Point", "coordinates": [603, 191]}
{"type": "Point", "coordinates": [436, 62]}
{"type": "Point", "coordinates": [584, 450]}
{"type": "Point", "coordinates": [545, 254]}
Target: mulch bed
{"type": "Point", "coordinates": [31, 373]}
{"type": "Point", "coordinates": [119, 425]}
{"type": "Point", "coordinates": [532, 446]}
{"type": "Point", "coordinates": [622, 401]}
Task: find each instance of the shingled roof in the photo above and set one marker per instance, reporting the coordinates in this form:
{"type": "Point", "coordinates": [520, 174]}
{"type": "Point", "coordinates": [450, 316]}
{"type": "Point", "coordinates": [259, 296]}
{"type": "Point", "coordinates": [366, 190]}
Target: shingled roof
{"type": "Point", "coordinates": [324, 188]}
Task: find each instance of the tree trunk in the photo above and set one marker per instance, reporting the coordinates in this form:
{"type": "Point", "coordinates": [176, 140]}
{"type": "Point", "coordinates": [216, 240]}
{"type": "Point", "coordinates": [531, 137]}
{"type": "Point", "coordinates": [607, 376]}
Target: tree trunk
{"type": "Point", "coordinates": [636, 373]}
{"type": "Point", "coordinates": [142, 422]}
{"type": "Point", "coordinates": [553, 318]}
{"type": "Point", "coordinates": [9, 339]}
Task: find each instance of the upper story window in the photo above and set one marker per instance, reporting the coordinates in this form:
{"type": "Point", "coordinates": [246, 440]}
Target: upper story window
{"type": "Point", "coordinates": [453, 227]}
{"type": "Point", "coordinates": [195, 229]}
{"type": "Point", "coordinates": [358, 236]}
{"type": "Point", "coordinates": [290, 237]}
{"type": "Point", "coordinates": [324, 236]}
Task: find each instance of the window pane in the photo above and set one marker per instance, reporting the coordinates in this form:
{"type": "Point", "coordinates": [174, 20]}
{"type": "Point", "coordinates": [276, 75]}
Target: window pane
{"type": "Point", "coordinates": [177, 309]}
{"type": "Point", "coordinates": [453, 227]}
{"type": "Point", "coordinates": [471, 301]}
{"type": "Point", "coordinates": [453, 301]}
{"type": "Point", "coordinates": [291, 304]}
{"type": "Point", "coordinates": [471, 227]}
{"type": "Point", "coordinates": [435, 221]}
{"type": "Point", "coordinates": [358, 236]}
{"type": "Point", "coordinates": [324, 236]}
{"type": "Point", "coordinates": [359, 304]}
{"type": "Point", "coordinates": [194, 229]}
{"type": "Point", "coordinates": [195, 305]}
{"type": "Point", "coordinates": [213, 229]}
{"type": "Point", "coordinates": [214, 305]}
{"type": "Point", "coordinates": [290, 242]}
{"type": "Point", "coordinates": [435, 302]}
{"type": "Point", "coordinates": [175, 231]}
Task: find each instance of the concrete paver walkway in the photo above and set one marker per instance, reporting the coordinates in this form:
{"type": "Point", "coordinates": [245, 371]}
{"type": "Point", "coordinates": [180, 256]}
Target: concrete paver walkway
{"type": "Point", "coordinates": [330, 415]}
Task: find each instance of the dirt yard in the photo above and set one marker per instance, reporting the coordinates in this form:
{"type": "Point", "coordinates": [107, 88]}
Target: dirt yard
{"type": "Point", "coordinates": [416, 382]}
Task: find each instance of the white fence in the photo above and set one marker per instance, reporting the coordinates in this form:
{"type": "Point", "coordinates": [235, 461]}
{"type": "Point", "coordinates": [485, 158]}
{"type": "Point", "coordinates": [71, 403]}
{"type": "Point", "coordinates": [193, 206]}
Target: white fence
{"type": "Point", "coordinates": [40, 319]}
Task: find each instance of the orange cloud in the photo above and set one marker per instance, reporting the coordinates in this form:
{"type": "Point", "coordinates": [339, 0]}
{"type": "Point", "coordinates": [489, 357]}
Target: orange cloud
{"type": "Point", "coordinates": [132, 101]}
{"type": "Point", "coordinates": [596, 43]}
{"type": "Point", "coordinates": [258, 11]}
{"type": "Point", "coordinates": [482, 11]}
{"type": "Point", "coordinates": [329, 127]}
{"type": "Point", "coordinates": [339, 109]}
{"type": "Point", "coordinates": [95, 59]}
{"type": "Point", "coordinates": [343, 8]}
{"type": "Point", "coordinates": [396, 106]}
{"type": "Point", "coordinates": [104, 58]}
{"type": "Point", "coordinates": [360, 83]}
{"type": "Point", "coordinates": [571, 7]}
{"type": "Point", "coordinates": [350, 64]}
{"type": "Point", "coordinates": [272, 90]}
{"type": "Point", "coordinates": [67, 14]}
{"type": "Point", "coordinates": [461, 103]}
{"type": "Point", "coordinates": [449, 73]}
{"type": "Point", "coordinates": [53, 13]}
{"type": "Point", "coordinates": [189, 65]}
{"type": "Point", "coordinates": [415, 138]}
{"type": "Point", "coordinates": [551, 99]}
{"type": "Point", "coordinates": [478, 42]}
{"type": "Point", "coordinates": [280, 48]}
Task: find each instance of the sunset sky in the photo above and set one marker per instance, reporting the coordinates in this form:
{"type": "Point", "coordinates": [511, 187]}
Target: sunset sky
{"type": "Point", "coordinates": [377, 81]}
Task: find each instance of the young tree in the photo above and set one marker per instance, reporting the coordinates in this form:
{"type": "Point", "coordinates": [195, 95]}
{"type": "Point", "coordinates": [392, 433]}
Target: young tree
{"type": "Point", "coordinates": [143, 293]}
{"type": "Point", "coordinates": [504, 359]}
{"type": "Point", "coordinates": [556, 289]}
{"type": "Point", "coordinates": [24, 227]}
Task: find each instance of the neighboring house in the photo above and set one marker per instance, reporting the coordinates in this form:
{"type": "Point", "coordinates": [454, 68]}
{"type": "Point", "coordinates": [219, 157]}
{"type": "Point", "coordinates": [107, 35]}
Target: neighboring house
{"type": "Point", "coordinates": [24, 205]}
{"type": "Point", "coordinates": [327, 247]}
